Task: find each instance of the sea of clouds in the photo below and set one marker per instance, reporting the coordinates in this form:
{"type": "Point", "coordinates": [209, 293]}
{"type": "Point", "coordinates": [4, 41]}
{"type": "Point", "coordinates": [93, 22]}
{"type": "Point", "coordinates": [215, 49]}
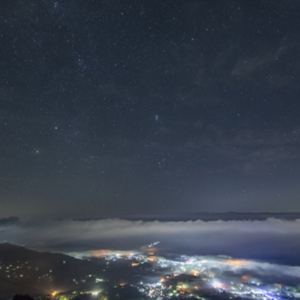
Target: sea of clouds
{"type": "Point", "coordinates": [272, 239]}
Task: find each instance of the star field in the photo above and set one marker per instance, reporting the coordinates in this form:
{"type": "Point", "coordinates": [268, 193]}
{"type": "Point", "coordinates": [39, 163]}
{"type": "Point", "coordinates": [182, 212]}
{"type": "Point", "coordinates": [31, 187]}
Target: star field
{"type": "Point", "coordinates": [148, 107]}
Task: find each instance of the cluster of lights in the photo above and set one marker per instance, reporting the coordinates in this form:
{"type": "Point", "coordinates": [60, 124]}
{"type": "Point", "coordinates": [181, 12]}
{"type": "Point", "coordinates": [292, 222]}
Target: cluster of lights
{"type": "Point", "coordinates": [211, 274]}
{"type": "Point", "coordinates": [190, 276]}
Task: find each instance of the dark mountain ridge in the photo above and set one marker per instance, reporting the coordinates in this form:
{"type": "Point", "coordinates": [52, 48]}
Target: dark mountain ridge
{"type": "Point", "coordinates": [39, 273]}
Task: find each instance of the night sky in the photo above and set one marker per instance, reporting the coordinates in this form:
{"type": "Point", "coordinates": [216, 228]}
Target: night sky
{"type": "Point", "coordinates": [144, 107]}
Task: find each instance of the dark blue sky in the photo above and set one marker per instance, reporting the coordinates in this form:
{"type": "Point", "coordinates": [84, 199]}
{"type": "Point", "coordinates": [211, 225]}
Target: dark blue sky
{"type": "Point", "coordinates": [147, 107]}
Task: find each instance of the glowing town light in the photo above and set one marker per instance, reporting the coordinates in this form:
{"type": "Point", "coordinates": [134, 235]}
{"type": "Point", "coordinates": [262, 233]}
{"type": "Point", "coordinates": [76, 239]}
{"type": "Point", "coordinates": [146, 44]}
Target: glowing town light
{"type": "Point", "coordinates": [95, 293]}
{"type": "Point", "coordinates": [217, 285]}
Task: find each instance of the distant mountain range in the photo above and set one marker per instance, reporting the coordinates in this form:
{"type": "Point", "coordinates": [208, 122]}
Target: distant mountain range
{"type": "Point", "coordinates": [225, 216]}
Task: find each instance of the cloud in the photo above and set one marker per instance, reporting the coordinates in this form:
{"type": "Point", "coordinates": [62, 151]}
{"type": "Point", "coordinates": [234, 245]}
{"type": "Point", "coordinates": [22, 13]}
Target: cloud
{"type": "Point", "coordinates": [9, 221]}
{"type": "Point", "coordinates": [7, 224]}
{"type": "Point", "coordinates": [272, 239]}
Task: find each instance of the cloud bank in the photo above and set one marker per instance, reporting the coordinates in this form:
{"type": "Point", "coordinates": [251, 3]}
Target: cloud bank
{"type": "Point", "coordinates": [272, 239]}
